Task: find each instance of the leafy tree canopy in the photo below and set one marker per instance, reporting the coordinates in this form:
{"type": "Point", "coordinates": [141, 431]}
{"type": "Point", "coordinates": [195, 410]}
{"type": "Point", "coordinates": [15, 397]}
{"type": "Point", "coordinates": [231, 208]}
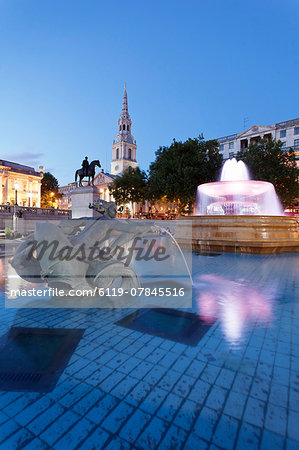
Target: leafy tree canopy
{"type": "Point", "coordinates": [49, 186]}
{"type": "Point", "coordinates": [129, 187]}
{"type": "Point", "coordinates": [268, 161]}
{"type": "Point", "coordinates": [49, 183]}
{"type": "Point", "coordinates": [181, 167]}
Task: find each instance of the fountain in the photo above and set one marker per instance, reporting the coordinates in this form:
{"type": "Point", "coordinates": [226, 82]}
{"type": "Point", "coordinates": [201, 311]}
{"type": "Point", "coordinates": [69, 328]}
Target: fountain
{"type": "Point", "coordinates": [240, 215]}
{"type": "Point", "coordinates": [236, 194]}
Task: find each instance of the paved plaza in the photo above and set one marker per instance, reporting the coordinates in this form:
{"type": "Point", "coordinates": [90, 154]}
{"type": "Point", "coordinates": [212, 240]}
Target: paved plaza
{"type": "Point", "coordinates": [127, 389]}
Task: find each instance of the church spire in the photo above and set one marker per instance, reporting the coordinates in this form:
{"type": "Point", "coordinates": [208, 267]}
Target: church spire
{"type": "Point", "coordinates": [124, 111]}
{"type": "Point", "coordinates": [124, 145]}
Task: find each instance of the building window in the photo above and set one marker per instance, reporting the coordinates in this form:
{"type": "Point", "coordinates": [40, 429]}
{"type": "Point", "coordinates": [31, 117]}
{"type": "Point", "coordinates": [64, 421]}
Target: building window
{"type": "Point", "coordinates": [231, 154]}
{"type": "Point", "coordinates": [128, 127]}
{"type": "Point", "coordinates": [221, 148]}
{"type": "Point", "coordinates": [120, 128]}
{"type": "Point", "coordinates": [284, 145]}
{"type": "Point", "coordinates": [117, 153]}
{"type": "Point", "coordinates": [231, 145]}
{"type": "Point", "coordinates": [129, 153]}
{"type": "Point", "coordinates": [296, 130]}
{"type": "Point", "coordinates": [124, 126]}
{"type": "Point", "coordinates": [283, 133]}
{"type": "Point", "coordinates": [296, 144]}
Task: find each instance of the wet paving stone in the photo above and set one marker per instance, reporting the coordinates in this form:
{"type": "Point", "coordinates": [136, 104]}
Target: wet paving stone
{"type": "Point", "coordinates": [126, 389]}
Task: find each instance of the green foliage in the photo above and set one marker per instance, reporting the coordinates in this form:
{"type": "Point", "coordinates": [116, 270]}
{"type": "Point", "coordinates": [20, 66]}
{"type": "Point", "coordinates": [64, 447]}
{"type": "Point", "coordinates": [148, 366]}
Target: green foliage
{"type": "Point", "coordinates": [267, 161]}
{"type": "Point", "coordinates": [181, 167]}
{"type": "Point", "coordinates": [7, 230]}
{"type": "Point", "coordinates": [49, 184]}
{"type": "Point", "coordinates": [10, 234]}
{"type": "Point", "coordinates": [129, 187]}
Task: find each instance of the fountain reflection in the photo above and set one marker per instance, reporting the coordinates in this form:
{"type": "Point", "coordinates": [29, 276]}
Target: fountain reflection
{"type": "Point", "coordinates": [235, 304]}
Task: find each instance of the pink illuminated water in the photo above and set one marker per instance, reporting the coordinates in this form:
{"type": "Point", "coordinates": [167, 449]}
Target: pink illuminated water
{"type": "Point", "coordinates": [236, 194]}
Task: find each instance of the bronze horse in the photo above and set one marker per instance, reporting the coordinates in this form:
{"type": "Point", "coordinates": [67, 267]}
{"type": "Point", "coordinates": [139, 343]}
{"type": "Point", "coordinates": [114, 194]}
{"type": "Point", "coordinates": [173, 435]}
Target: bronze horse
{"type": "Point", "coordinates": [90, 172]}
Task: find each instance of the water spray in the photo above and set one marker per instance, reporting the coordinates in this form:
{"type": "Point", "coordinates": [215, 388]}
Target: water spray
{"type": "Point", "coordinates": [164, 230]}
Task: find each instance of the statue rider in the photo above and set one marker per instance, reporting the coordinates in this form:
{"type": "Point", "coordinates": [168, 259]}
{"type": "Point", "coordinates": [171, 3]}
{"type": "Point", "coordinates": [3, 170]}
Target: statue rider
{"type": "Point", "coordinates": [85, 165]}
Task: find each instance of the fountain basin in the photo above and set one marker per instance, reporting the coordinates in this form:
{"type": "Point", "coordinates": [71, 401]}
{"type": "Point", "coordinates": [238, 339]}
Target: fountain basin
{"type": "Point", "coordinates": [248, 188]}
{"type": "Point", "coordinates": [238, 197]}
{"type": "Point", "coordinates": [258, 234]}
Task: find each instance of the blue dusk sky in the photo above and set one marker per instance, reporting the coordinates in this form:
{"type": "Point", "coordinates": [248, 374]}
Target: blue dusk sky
{"type": "Point", "coordinates": [191, 67]}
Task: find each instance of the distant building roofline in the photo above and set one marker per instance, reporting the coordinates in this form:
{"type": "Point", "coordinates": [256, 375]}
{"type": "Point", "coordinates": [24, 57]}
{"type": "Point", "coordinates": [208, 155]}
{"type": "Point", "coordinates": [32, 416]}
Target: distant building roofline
{"type": "Point", "coordinates": [285, 124]}
{"type": "Point", "coordinates": [19, 167]}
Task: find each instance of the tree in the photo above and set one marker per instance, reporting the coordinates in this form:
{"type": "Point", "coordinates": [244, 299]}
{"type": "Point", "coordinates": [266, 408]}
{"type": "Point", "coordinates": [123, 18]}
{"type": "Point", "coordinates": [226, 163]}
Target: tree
{"type": "Point", "coordinates": [130, 187]}
{"type": "Point", "coordinates": [49, 190]}
{"type": "Point", "coordinates": [268, 161]}
{"type": "Point", "coordinates": [181, 167]}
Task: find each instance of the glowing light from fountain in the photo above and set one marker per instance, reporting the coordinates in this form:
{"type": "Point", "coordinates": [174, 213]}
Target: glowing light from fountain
{"type": "Point", "coordinates": [236, 194]}
{"type": "Point", "coordinates": [234, 170]}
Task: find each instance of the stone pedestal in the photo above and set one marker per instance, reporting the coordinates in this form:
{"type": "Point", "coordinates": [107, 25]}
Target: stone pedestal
{"type": "Point", "coordinates": [81, 198]}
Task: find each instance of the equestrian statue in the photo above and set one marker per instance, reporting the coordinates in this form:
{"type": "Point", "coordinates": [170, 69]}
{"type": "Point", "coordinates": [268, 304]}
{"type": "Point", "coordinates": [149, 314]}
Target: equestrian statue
{"type": "Point", "coordinates": [88, 170]}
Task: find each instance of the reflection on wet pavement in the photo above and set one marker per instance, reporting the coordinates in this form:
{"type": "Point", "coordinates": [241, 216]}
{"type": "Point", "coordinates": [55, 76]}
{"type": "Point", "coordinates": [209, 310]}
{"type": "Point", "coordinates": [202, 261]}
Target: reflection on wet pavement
{"type": "Point", "coordinates": [234, 303]}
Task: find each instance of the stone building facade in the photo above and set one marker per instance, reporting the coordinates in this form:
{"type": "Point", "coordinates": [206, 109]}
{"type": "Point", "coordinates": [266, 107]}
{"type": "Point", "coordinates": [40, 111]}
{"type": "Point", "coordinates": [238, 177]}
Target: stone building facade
{"type": "Point", "coordinates": [287, 132]}
{"type": "Point", "coordinates": [20, 183]}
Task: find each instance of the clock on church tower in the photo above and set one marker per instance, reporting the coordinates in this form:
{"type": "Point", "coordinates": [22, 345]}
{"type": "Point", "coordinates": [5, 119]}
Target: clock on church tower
{"type": "Point", "coordinates": [124, 146]}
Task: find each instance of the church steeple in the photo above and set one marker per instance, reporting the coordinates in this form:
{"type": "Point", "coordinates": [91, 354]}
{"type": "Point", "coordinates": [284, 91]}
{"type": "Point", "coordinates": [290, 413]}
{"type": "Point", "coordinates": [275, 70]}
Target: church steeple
{"type": "Point", "coordinates": [124, 111]}
{"type": "Point", "coordinates": [124, 122]}
{"type": "Point", "coordinates": [124, 146]}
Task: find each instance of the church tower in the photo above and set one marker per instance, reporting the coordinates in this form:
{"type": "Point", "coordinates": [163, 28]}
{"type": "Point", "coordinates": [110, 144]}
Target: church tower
{"type": "Point", "coordinates": [124, 146]}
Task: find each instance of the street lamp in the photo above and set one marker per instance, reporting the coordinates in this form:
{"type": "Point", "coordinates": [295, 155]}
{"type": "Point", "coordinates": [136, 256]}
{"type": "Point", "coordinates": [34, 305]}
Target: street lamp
{"type": "Point", "coordinates": [52, 194]}
{"type": "Point", "coordinates": [16, 185]}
